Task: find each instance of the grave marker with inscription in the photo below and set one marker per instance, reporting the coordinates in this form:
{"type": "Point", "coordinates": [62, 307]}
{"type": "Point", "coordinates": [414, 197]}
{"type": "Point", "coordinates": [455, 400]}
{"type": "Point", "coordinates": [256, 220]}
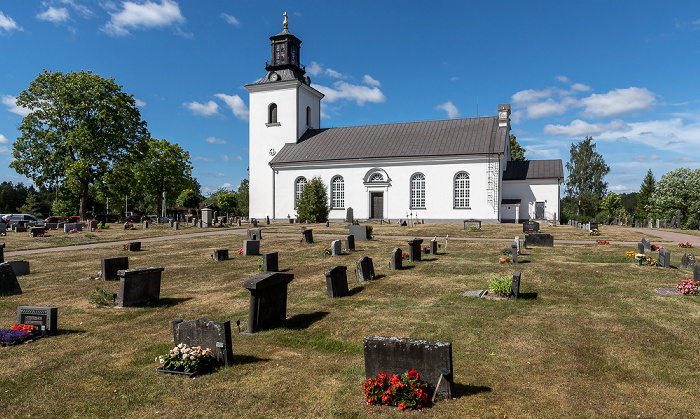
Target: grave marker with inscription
{"type": "Point", "coordinates": [350, 243]}
{"type": "Point", "coordinates": [365, 269]}
{"type": "Point", "coordinates": [207, 334]}
{"type": "Point", "coordinates": [688, 261]}
{"type": "Point", "coordinates": [515, 286]}
{"type": "Point", "coordinates": [337, 281]}
{"type": "Point", "coordinates": [8, 281]}
{"type": "Point", "coordinates": [44, 318]}
{"type": "Point", "coordinates": [664, 258]}
{"type": "Point", "coordinates": [414, 249]}
{"type": "Point", "coordinates": [139, 286]}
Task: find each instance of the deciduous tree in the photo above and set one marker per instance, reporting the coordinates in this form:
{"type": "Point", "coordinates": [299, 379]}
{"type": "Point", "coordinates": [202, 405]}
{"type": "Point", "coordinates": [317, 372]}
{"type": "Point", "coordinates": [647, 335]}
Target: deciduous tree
{"type": "Point", "coordinates": [585, 183]}
{"type": "Point", "coordinates": [677, 190]}
{"type": "Point", "coordinates": [313, 202]}
{"type": "Point", "coordinates": [517, 153]}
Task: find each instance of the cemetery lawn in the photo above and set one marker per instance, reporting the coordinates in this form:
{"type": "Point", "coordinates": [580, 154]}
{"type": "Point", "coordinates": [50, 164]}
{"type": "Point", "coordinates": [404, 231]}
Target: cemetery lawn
{"type": "Point", "coordinates": [588, 338]}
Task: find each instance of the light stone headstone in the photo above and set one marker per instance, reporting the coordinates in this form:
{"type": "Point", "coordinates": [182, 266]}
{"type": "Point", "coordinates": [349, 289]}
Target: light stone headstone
{"type": "Point", "coordinates": [640, 248]}
{"type": "Point", "coordinates": [647, 244]}
{"type": "Point", "coordinates": [336, 248]}
{"type": "Point", "coordinates": [657, 223]}
{"type": "Point", "coordinates": [365, 269]}
{"type": "Point", "coordinates": [688, 261]}
{"type": "Point", "coordinates": [664, 258]}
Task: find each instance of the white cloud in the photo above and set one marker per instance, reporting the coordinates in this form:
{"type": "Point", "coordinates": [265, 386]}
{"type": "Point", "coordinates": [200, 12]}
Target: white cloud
{"type": "Point", "coordinates": [563, 79]}
{"type": "Point", "coordinates": [640, 158]}
{"type": "Point", "coordinates": [450, 108]}
{"type": "Point", "coordinates": [314, 68]}
{"type": "Point", "coordinates": [214, 140]}
{"type": "Point", "coordinates": [54, 15]}
{"type": "Point", "coordinates": [236, 104]}
{"type": "Point", "coordinates": [336, 75]}
{"type": "Point", "coordinates": [231, 158]}
{"type": "Point", "coordinates": [455, 78]}
{"type": "Point", "coordinates": [231, 20]}
{"type": "Point", "coordinates": [8, 24]}
{"type": "Point", "coordinates": [206, 109]}
{"type": "Point", "coordinates": [665, 135]}
{"type": "Point", "coordinates": [204, 159]}
{"type": "Point", "coordinates": [530, 95]}
{"type": "Point", "coordinates": [619, 188]}
{"type": "Point", "coordinates": [547, 108]}
{"type": "Point", "coordinates": [143, 16]}
{"type": "Point", "coordinates": [140, 103]}
{"type": "Point", "coordinates": [213, 174]}
{"type": "Point", "coordinates": [682, 160]}
{"type": "Point", "coordinates": [10, 102]}
{"type": "Point", "coordinates": [579, 87]}
{"type": "Point", "coordinates": [579, 128]}
{"type": "Point", "coordinates": [369, 81]}
{"type": "Point", "coordinates": [619, 102]}
{"type": "Point", "coordinates": [360, 94]}
{"type": "Point", "coordinates": [4, 140]}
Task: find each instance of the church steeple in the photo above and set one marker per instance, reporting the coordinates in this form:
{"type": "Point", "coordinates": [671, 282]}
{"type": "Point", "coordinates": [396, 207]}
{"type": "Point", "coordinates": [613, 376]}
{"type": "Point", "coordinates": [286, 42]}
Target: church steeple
{"type": "Point", "coordinates": [285, 52]}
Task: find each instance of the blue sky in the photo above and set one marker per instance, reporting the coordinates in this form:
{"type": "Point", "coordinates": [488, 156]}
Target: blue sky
{"type": "Point", "coordinates": [623, 72]}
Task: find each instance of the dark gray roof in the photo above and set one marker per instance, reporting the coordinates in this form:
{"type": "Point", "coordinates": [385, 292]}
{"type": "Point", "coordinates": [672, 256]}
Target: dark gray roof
{"type": "Point", "coordinates": [507, 201]}
{"type": "Point", "coordinates": [284, 74]}
{"type": "Point", "coordinates": [411, 139]}
{"type": "Point", "coordinates": [534, 169]}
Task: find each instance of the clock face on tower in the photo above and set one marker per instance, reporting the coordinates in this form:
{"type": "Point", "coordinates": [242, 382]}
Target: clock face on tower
{"type": "Point", "coordinates": [272, 152]}
{"type": "Point", "coordinates": [274, 76]}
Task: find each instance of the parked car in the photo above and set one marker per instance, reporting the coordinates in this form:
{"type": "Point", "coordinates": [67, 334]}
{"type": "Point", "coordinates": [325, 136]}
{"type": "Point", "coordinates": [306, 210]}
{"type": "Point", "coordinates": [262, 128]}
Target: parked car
{"type": "Point", "coordinates": [107, 218]}
{"type": "Point", "coordinates": [23, 217]}
{"type": "Point", "coordinates": [54, 219]}
{"type": "Point", "coordinates": [73, 219]}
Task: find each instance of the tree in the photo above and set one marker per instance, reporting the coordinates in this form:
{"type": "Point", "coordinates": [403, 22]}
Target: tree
{"type": "Point", "coordinates": [31, 206]}
{"type": "Point", "coordinates": [585, 183]}
{"type": "Point", "coordinates": [677, 190]}
{"type": "Point", "coordinates": [313, 202]}
{"type": "Point", "coordinates": [646, 190]}
{"type": "Point", "coordinates": [517, 153]}
{"type": "Point", "coordinates": [243, 198]}
{"type": "Point", "coordinates": [188, 199]}
{"type": "Point", "coordinates": [227, 201]}
{"type": "Point", "coordinates": [79, 126]}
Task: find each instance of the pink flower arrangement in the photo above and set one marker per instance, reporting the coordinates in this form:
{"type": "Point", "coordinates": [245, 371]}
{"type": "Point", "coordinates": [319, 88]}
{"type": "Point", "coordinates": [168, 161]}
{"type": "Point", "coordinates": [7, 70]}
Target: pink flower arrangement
{"type": "Point", "coordinates": [505, 260]}
{"type": "Point", "coordinates": [688, 287]}
{"type": "Point", "coordinates": [686, 245]}
{"type": "Point", "coordinates": [240, 251]}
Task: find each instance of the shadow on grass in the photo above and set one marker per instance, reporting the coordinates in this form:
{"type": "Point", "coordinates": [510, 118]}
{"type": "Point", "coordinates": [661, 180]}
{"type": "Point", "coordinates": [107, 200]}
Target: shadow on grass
{"type": "Point", "coordinates": [428, 259]}
{"type": "Point", "coordinates": [522, 261]}
{"type": "Point", "coordinates": [527, 296]}
{"type": "Point", "coordinates": [303, 321]}
{"type": "Point", "coordinates": [246, 359]}
{"type": "Point", "coordinates": [355, 290]}
{"type": "Point", "coordinates": [166, 302]}
{"type": "Point", "coordinates": [463, 390]}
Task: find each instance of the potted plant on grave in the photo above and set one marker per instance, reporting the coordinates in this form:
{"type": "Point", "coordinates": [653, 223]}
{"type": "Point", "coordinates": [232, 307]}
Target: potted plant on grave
{"type": "Point", "coordinates": [688, 287]}
{"type": "Point", "coordinates": [184, 359]}
{"type": "Point", "coordinates": [407, 392]}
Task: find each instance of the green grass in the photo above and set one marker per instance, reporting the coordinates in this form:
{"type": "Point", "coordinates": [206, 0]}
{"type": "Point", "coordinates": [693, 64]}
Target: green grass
{"type": "Point", "coordinates": [590, 338]}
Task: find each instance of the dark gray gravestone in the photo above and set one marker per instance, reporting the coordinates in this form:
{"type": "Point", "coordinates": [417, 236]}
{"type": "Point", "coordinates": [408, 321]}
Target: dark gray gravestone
{"type": "Point", "coordinates": [35, 231]}
{"type": "Point", "coordinates": [255, 222]}
{"type": "Point", "coordinates": [469, 223]}
{"type": "Point", "coordinates": [336, 248]}
{"type": "Point", "coordinates": [8, 281]}
{"type": "Point", "coordinates": [270, 262]}
{"type": "Point", "coordinates": [41, 317]}
{"type": "Point", "coordinates": [350, 243]}
{"type": "Point", "coordinates": [2, 252]}
{"type": "Point", "coordinates": [395, 355]}
{"type": "Point", "coordinates": [220, 255]}
{"type": "Point", "coordinates": [673, 222]}
{"type": "Point", "coordinates": [663, 223]}
{"type": "Point", "coordinates": [414, 249]}
{"type": "Point", "coordinates": [3, 229]}
{"type": "Point", "coordinates": [539, 239]}
{"type": "Point", "coordinates": [664, 258]}
{"type": "Point", "coordinates": [647, 244]}
{"type": "Point", "coordinates": [138, 286]}
{"type": "Point", "coordinates": [514, 251]}
{"type": "Point", "coordinates": [360, 232]}
{"type": "Point", "coordinates": [396, 259]}
{"type": "Point", "coordinates": [254, 234]}
{"type": "Point", "coordinates": [170, 223]}
{"type": "Point", "coordinates": [678, 218]}
{"type": "Point", "coordinates": [534, 226]}
{"type": "Point", "coordinates": [110, 266]}
{"type": "Point", "coordinates": [307, 235]}
{"type": "Point", "coordinates": [337, 281]}
{"type": "Point", "coordinates": [433, 247]}
{"type": "Point", "coordinates": [688, 261]}
{"type": "Point", "coordinates": [133, 246]}
{"type": "Point", "coordinates": [20, 267]}
{"type": "Point", "coordinates": [267, 219]}
{"type": "Point", "coordinates": [251, 247]}
{"type": "Point", "coordinates": [207, 334]}
{"type": "Point", "coordinates": [640, 248]}
{"type": "Point", "coordinates": [593, 226]}
{"type": "Point", "coordinates": [349, 217]}
{"type": "Point", "coordinates": [515, 286]}
{"type": "Point", "coordinates": [268, 300]}
{"type": "Point", "coordinates": [20, 229]}
{"type": "Point", "coordinates": [696, 273]}
{"type": "Point", "coordinates": [365, 269]}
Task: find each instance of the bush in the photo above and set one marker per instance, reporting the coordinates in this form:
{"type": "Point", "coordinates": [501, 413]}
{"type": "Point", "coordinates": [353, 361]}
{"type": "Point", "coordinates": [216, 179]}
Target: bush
{"type": "Point", "coordinates": [369, 232]}
{"type": "Point", "coordinates": [313, 202]}
{"type": "Point", "coordinates": [500, 286]}
{"type": "Point", "coordinates": [101, 297]}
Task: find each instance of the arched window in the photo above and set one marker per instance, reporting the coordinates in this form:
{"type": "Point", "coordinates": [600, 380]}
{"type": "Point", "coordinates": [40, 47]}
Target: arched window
{"type": "Point", "coordinates": [272, 113]}
{"type": "Point", "coordinates": [308, 116]}
{"type": "Point", "coordinates": [376, 177]}
{"type": "Point", "coordinates": [337, 192]}
{"type": "Point", "coordinates": [418, 191]}
{"type": "Point", "coordinates": [298, 186]}
{"type": "Point", "coordinates": [462, 190]}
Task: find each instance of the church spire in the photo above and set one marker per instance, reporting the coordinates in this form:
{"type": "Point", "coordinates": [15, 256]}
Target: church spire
{"type": "Point", "coordinates": [285, 52]}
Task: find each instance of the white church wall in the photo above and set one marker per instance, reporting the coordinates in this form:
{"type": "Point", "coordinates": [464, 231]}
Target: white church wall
{"type": "Point", "coordinates": [530, 192]}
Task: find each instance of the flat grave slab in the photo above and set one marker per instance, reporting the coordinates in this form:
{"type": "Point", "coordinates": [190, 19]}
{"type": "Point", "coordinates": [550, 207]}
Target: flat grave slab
{"type": "Point", "coordinates": [667, 291]}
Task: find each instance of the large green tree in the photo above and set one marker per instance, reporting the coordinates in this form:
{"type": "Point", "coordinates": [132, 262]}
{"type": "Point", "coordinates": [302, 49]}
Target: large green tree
{"type": "Point", "coordinates": [517, 153]}
{"type": "Point", "coordinates": [678, 189]}
{"type": "Point", "coordinates": [646, 190]}
{"type": "Point", "coordinates": [313, 202]}
{"type": "Point", "coordinates": [243, 197]}
{"type": "Point", "coordinates": [585, 184]}
{"type": "Point", "coordinates": [78, 127]}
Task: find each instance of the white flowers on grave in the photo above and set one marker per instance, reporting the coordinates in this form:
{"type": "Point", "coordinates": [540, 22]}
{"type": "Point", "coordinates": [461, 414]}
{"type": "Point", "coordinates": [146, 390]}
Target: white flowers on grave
{"type": "Point", "coordinates": [187, 359]}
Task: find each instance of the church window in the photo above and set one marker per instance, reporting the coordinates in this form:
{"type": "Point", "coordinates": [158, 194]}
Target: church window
{"type": "Point", "coordinates": [418, 191]}
{"type": "Point", "coordinates": [461, 192]}
{"type": "Point", "coordinates": [272, 113]}
{"type": "Point", "coordinates": [337, 192]}
{"type": "Point", "coordinates": [376, 177]}
{"type": "Point", "coordinates": [298, 186]}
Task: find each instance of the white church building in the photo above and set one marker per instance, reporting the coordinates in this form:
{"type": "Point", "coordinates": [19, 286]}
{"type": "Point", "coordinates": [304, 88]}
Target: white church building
{"type": "Point", "coordinates": [437, 171]}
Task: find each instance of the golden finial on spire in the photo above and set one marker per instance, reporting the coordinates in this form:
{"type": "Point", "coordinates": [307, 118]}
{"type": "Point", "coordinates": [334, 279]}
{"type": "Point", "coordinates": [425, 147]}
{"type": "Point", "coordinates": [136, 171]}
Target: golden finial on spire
{"type": "Point", "coordinates": [286, 23]}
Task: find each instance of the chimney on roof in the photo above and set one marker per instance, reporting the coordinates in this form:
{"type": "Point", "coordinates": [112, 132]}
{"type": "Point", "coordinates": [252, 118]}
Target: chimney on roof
{"type": "Point", "coordinates": [504, 115]}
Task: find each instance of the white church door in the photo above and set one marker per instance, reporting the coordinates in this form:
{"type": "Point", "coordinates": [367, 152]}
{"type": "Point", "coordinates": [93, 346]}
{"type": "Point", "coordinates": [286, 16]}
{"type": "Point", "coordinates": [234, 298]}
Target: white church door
{"type": "Point", "coordinates": [376, 205]}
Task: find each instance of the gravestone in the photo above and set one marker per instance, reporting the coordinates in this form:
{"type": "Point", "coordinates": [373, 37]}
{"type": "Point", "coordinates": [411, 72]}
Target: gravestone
{"type": "Point", "coordinates": [45, 319]}
{"type": "Point", "coordinates": [194, 222]}
{"type": "Point", "coordinates": [688, 261]}
{"type": "Point", "coordinates": [647, 244]}
{"type": "Point", "coordinates": [365, 269]}
{"type": "Point", "coordinates": [469, 223]}
{"type": "Point", "coordinates": [268, 300]}
{"type": "Point", "coordinates": [360, 232]}
{"type": "Point", "coordinates": [350, 243]}
{"type": "Point", "coordinates": [2, 252]}
{"type": "Point", "coordinates": [176, 225]}
{"type": "Point", "coordinates": [678, 219]}
{"type": "Point", "coordinates": [640, 248]}
{"type": "Point", "coordinates": [337, 281]}
{"type": "Point", "coordinates": [170, 223]}
{"type": "Point", "coordinates": [633, 221]}
{"type": "Point", "coordinates": [696, 273]}
{"type": "Point", "coordinates": [220, 255]}
{"type": "Point", "coordinates": [251, 247]}
{"type": "Point", "coordinates": [539, 240]}
{"type": "Point", "coordinates": [133, 246]}
{"type": "Point", "coordinates": [349, 217]}
{"type": "Point", "coordinates": [19, 267]}
{"type": "Point", "coordinates": [396, 259]}
{"type": "Point", "coordinates": [145, 224]}
{"type": "Point", "coordinates": [35, 231]}
{"type": "Point", "coordinates": [20, 229]}
{"type": "Point", "coordinates": [534, 226]}
{"type": "Point", "coordinates": [110, 267]}
{"type": "Point", "coordinates": [8, 281]}
{"type": "Point", "coordinates": [328, 223]}
{"type": "Point", "coordinates": [673, 222]}
{"type": "Point", "coordinates": [336, 248]}
{"type": "Point", "coordinates": [517, 243]}
{"type": "Point", "coordinates": [514, 251]}
{"type": "Point", "coordinates": [658, 222]}
{"type": "Point", "coordinates": [515, 286]}
{"type": "Point", "coordinates": [593, 226]}
{"type": "Point", "coordinates": [270, 262]}
{"type": "Point", "coordinates": [67, 227]}
{"type": "Point", "coordinates": [395, 355]}
{"type": "Point", "coordinates": [207, 217]}
{"type": "Point", "coordinates": [663, 223]}
{"type": "Point", "coordinates": [207, 334]}
{"type": "Point", "coordinates": [255, 222]}
{"type": "Point", "coordinates": [307, 235]}
{"type": "Point", "coordinates": [138, 286]}
{"type": "Point", "coordinates": [254, 234]}
{"type": "Point", "coordinates": [239, 222]}
{"type": "Point", "coordinates": [650, 224]}
{"type": "Point", "coordinates": [433, 247]}
{"type": "Point", "coordinates": [664, 258]}
{"type": "Point", "coordinates": [267, 219]}
{"type": "Point", "coordinates": [414, 249]}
